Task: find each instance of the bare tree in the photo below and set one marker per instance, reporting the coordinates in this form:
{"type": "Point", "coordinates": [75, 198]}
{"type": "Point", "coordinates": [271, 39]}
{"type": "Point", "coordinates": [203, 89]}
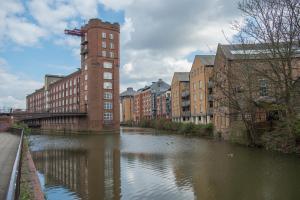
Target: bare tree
{"type": "Point", "coordinates": [274, 25]}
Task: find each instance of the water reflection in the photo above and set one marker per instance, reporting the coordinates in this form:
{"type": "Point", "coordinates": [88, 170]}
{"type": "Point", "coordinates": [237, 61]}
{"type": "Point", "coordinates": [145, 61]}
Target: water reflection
{"type": "Point", "coordinates": [142, 165]}
{"type": "Point", "coordinates": [82, 168]}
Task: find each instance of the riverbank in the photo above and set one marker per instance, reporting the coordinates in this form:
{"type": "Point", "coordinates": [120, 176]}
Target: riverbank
{"type": "Point", "coordinates": [188, 129]}
{"type": "Point", "coordinates": [272, 140]}
{"type": "Point", "coordinates": [30, 188]}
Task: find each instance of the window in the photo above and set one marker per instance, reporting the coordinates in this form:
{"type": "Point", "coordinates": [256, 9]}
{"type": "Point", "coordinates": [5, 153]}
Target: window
{"type": "Point", "coordinates": [103, 44]}
{"type": "Point", "coordinates": [103, 35]}
{"type": "Point", "coordinates": [108, 116]}
{"type": "Point", "coordinates": [111, 54]}
{"type": "Point", "coordinates": [263, 87]}
{"type": "Point", "coordinates": [85, 97]}
{"type": "Point", "coordinates": [200, 84]}
{"type": "Point", "coordinates": [86, 77]}
{"type": "Point", "coordinates": [111, 36]}
{"type": "Point", "coordinates": [112, 46]}
{"type": "Point", "coordinates": [103, 53]}
{"type": "Point", "coordinates": [85, 56]}
{"type": "Point", "coordinates": [107, 85]}
{"type": "Point", "coordinates": [107, 95]}
{"type": "Point", "coordinates": [85, 67]}
{"type": "Point", "coordinates": [107, 75]}
{"type": "Point", "coordinates": [107, 105]}
{"type": "Point", "coordinates": [85, 87]}
{"type": "Point", "coordinates": [107, 65]}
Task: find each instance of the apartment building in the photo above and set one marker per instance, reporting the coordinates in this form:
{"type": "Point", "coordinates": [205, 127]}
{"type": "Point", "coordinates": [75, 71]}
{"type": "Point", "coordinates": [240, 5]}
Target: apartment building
{"type": "Point", "coordinates": [180, 92]}
{"type": "Point", "coordinates": [127, 102]}
{"type": "Point", "coordinates": [201, 89]}
{"type": "Point", "coordinates": [163, 105]}
{"type": "Point", "coordinates": [88, 99]}
{"type": "Point", "coordinates": [145, 106]}
{"type": "Point", "coordinates": [232, 64]}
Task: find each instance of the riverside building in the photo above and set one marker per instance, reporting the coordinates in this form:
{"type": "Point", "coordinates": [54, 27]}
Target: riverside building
{"type": "Point", "coordinates": [180, 90]}
{"type": "Point", "coordinates": [145, 100]}
{"type": "Point", "coordinates": [127, 102]}
{"type": "Point", "coordinates": [88, 99]}
{"type": "Point", "coordinates": [201, 89]}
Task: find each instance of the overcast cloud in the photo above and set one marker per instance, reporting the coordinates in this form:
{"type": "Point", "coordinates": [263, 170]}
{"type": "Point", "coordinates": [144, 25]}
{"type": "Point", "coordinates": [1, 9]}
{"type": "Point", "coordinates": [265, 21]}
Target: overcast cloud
{"type": "Point", "coordinates": [156, 38]}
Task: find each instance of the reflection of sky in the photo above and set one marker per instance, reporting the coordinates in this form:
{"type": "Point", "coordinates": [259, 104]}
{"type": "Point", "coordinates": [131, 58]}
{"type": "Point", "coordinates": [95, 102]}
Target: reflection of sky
{"type": "Point", "coordinates": [56, 193]}
{"type": "Point", "coordinates": [150, 179]}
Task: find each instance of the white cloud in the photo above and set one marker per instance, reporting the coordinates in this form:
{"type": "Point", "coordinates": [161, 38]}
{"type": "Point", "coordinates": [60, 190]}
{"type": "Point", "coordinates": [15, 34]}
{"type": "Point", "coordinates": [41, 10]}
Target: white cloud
{"type": "Point", "coordinates": [157, 36]}
{"type": "Point", "coordinates": [14, 87]}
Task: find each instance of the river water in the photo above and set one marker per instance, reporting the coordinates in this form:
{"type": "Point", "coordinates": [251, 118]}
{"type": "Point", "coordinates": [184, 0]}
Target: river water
{"type": "Point", "coordinates": [141, 164]}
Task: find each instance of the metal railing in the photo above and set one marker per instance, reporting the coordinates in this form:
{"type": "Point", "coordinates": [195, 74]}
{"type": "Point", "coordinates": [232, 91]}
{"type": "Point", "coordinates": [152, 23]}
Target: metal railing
{"type": "Point", "coordinates": [13, 192]}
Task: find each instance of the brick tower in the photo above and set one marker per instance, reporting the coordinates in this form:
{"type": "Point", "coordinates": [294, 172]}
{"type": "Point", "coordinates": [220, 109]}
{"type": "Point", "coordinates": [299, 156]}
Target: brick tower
{"type": "Point", "coordinates": [99, 85]}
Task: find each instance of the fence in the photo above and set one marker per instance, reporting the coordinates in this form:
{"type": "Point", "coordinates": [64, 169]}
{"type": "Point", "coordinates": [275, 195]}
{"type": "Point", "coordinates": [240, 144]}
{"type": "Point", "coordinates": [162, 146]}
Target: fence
{"type": "Point", "coordinates": [13, 192]}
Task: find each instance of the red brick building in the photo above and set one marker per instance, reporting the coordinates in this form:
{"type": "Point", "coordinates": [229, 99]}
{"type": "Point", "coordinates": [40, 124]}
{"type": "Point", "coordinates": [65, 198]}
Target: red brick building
{"type": "Point", "coordinates": [145, 100]}
{"type": "Point", "coordinates": [88, 99]}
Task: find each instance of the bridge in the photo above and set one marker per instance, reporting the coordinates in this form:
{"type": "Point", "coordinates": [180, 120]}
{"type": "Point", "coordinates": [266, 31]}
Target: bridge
{"type": "Point", "coordinates": [33, 119]}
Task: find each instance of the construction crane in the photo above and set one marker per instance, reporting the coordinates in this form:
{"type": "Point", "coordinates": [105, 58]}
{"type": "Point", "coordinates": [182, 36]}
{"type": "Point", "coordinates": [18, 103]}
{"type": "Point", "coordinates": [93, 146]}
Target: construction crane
{"type": "Point", "coordinates": [75, 32]}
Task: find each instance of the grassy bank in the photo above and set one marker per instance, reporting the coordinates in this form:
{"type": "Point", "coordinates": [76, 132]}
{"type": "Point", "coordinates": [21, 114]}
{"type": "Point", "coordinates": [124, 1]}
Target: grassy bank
{"type": "Point", "coordinates": [175, 127]}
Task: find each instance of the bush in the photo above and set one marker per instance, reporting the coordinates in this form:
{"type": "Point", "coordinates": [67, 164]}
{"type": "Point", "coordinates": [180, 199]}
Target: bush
{"type": "Point", "coordinates": [181, 128]}
{"type": "Point", "coordinates": [23, 126]}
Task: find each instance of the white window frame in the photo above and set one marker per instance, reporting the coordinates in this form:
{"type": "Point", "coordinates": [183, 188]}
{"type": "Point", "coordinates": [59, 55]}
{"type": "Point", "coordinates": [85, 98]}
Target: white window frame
{"type": "Point", "coordinates": [103, 35]}
{"type": "Point", "coordinates": [111, 36]}
{"type": "Point", "coordinates": [107, 65]}
{"type": "Point", "coordinates": [107, 85]}
{"type": "Point", "coordinates": [107, 75]}
{"type": "Point", "coordinates": [107, 116]}
{"type": "Point", "coordinates": [104, 53]}
{"type": "Point", "coordinates": [108, 95]}
{"type": "Point", "coordinates": [107, 105]}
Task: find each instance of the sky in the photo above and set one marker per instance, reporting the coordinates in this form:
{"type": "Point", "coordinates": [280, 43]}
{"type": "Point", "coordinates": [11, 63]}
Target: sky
{"type": "Point", "coordinates": [158, 37]}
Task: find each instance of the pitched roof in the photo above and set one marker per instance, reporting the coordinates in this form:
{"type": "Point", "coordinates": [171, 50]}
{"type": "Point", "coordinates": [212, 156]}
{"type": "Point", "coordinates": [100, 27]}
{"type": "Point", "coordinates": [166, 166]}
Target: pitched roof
{"type": "Point", "coordinates": [207, 59]}
{"type": "Point", "coordinates": [129, 92]}
{"type": "Point", "coordinates": [249, 51]}
{"type": "Point", "coordinates": [182, 76]}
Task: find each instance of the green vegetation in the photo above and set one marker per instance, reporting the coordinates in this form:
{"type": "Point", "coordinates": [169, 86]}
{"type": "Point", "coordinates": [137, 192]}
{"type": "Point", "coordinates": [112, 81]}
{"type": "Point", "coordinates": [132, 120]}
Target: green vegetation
{"type": "Point", "coordinates": [26, 191]}
{"type": "Point", "coordinates": [180, 128]}
{"type": "Point", "coordinates": [24, 126]}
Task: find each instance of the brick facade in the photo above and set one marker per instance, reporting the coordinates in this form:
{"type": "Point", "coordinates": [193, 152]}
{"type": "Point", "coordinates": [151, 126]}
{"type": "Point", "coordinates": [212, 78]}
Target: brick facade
{"type": "Point", "coordinates": [93, 89]}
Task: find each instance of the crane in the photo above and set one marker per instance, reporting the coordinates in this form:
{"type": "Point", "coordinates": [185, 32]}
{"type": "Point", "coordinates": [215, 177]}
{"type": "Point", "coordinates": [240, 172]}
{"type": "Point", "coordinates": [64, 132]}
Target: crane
{"type": "Point", "coordinates": [75, 32]}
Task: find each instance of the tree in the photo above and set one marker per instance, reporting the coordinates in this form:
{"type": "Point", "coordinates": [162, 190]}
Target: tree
{"type": "Point", "coordinates": [275, 26]}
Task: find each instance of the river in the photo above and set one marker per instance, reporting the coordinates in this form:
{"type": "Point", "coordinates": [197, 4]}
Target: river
{"type": "Point", "coordinates": [141, 164]}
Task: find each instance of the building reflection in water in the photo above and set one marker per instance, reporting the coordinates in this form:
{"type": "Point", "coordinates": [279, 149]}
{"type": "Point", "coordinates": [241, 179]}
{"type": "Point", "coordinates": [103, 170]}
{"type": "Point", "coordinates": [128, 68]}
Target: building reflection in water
{"type": "Point", "coordinates": [91, 171]}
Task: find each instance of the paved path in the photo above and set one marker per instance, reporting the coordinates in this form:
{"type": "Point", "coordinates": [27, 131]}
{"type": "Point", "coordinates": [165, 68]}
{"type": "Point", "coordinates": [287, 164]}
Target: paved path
{"type": "Point", "coordinates": [8, 149]}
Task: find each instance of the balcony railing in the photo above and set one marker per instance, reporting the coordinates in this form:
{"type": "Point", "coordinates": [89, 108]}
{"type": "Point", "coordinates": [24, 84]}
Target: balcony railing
{"type": "Point", "coordinates": [186, 113]}
{"type": "Point", "coordinates": [185, 94]}
{"type": "Point", "coordinates": [186, 103]}
{"type": "Point", "coordinates": [210, 111]}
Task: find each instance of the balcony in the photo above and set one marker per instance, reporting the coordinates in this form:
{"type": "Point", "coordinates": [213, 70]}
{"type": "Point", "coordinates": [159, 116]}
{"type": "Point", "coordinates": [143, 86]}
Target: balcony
{"type": "Point", "coordinates": [84, 42]}
{"type": "Point", "coordinates": [210, 111]}
{"type": "Point", "coordinates": [210, 84]}
{"type": "Point", "coordinates": [185, 103]}
{"type": "Point", "coordinates": [84, 50]}
{"type": "Point", "coordinates": [186, 113]}
{"type": "Point", "coordinates": [185, 94]}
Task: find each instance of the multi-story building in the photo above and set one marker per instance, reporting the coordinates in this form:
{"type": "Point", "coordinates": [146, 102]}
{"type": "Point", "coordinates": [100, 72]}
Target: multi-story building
{"type": "Point", "coordinates": [180, 90]}
{"type": "Point", "coordinates": [127, 102]}
{"type": "Point", "coordinates": [87, 99]}
{"type": "Point", "coordinates": [201, 89]}
{"type": "Point", "coordinates": [145, 100]}
{"type": "Point", "coordinates": [163, 105]}
{"type": "Point", "coordinates": [234, 65]}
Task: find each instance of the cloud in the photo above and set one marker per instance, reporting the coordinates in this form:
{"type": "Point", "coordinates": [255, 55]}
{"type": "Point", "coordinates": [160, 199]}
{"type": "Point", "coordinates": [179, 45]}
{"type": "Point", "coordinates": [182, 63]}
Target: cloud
{"type": "Point", "coordinates": [15, 28]}
{"type": "Point", "coordinates": [158, 36]}
{"type": "Point", "coordinates": [14, 87]}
